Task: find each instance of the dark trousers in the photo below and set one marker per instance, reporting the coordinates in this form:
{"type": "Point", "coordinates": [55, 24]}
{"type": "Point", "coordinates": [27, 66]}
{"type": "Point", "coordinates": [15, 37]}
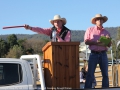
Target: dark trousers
{"type": "Point", "coordinates": [102, 60]}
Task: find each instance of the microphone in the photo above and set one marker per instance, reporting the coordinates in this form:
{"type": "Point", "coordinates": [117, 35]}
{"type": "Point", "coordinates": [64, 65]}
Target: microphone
{"type": "Point", "coordinates": [54, 34]}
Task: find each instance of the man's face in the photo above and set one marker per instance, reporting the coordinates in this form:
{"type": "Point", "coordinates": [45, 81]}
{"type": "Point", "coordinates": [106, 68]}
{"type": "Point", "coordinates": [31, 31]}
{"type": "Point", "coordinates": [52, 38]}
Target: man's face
{"type": "Point", "coordinates": [58, 23]}
{"type": "Point", "coordinates": [99, 21]}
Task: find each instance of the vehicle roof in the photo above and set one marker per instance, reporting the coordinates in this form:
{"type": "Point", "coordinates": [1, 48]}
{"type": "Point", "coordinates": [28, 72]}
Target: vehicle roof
{"type": "Point", "coordinates": [10, 59]}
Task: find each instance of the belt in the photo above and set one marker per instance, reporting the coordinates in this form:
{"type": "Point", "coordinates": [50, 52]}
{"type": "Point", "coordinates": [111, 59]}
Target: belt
{"type": "Point", "coordinates": [97, 52]}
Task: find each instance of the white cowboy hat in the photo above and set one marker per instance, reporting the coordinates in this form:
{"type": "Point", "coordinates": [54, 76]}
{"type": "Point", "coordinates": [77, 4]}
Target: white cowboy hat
{"type": "Point", "coordinates": [57, 17]}
{"type": "Point", "coordinates": [98, 16]}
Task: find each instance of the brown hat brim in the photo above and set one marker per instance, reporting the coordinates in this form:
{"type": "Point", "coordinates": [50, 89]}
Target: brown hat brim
{"type": "Point", "coordinates": [62, 19]}
{"type": "Point", "coordinates": [93, 20]}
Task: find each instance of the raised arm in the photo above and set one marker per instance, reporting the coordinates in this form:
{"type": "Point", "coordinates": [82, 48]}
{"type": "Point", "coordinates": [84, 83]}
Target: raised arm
{"type": "Point", "coordinates": [46, 31]}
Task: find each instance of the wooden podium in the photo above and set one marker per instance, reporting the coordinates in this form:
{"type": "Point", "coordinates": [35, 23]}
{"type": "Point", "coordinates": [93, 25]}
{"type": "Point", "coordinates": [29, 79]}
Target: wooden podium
{"type": "Point", "coordinates": [61, 65]}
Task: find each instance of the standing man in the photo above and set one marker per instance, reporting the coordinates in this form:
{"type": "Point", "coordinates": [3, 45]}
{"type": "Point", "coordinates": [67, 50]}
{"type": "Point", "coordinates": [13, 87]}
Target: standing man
{"type": "Point", "coordinates": [98, 50]}
{"type": "Point", "coordinates": [63, 34]}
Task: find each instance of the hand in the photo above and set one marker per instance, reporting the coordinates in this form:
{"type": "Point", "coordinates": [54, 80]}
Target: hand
{"type": "Point", "coordinates": [100, 43]}
{"type": "Point", "coordinates": [83, 81]}
{"type": "Point", "coordinates": [57, 35]}
{"type": "Point", "coordinates": [27, 27]}
{"type": "Point", "coordinates": [107, 36]}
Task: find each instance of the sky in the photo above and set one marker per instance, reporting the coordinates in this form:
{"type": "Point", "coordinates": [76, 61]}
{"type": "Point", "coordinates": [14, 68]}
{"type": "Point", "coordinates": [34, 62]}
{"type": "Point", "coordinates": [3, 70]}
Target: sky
{"type": "Point", "coordinates": [37, 13]}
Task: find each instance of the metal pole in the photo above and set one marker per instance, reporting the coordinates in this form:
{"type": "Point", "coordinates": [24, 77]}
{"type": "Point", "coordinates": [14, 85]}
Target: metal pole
{"type": "Point", "coordinates": [117, 69]}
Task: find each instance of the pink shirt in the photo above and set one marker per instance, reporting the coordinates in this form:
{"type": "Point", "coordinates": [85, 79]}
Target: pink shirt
{"type": "Point", "coordinates": [94, 33]}
{"type": "Point", "coordinates": [48, 31]}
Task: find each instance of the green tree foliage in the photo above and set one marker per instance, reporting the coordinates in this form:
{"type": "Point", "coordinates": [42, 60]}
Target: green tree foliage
{"type": "Point", "coordinates": [18, 47]}
{"type": "Point", "coordinates": [118, 34]}
{"type": "Point", "coordinates": [113, 46]}
{"type": "Point", "coordinates": [12, 40]}
{"type": "Point", "coordinates": [15, 52]}
{"type": "Point", "coordinates": [34, 44]}
{"type": "Point", "coordinates": [3, 48]}
{"type": "Point", "coordinates": [117, 49]}
{"type": "Point", "coordinates": [29, 51]}
{"type": "Point", "coordinates": [21, 41]}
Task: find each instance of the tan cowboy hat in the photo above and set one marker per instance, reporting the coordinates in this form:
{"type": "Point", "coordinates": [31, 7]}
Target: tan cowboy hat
{"type": "Point", "coordinates": [98, 16]}
{"type": "Point", "coordinates": [57, 17]}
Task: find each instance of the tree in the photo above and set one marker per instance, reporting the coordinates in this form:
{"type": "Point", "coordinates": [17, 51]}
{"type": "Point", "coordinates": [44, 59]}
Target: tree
{"type": "Point", "coordinates": [3, 48]}
{"type": "Point", "coordinates": [34, 44]}
{"type": "Point", "coordinates": [15, 52]}
{"type": "Point", "coordinates": [118, 34]}
{"type": "Point", "coordinates": [29, 51]}
{"type": "Point", "coordinates": [21, 42]}
{"type": "Point", "coordinates": [12, 40]}
{"type": "Point", "coordinates": [117, 49]}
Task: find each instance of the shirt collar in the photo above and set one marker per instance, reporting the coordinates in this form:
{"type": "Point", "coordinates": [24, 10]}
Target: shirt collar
{"type": "Point", "coordinates": [99, 28]}
{"type": "Point", "coordinates": [59, 30]}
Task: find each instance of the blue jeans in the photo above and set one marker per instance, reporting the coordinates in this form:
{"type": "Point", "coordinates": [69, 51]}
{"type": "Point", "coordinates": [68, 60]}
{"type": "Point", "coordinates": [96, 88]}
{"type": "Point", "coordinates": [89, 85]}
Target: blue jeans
{"type": "Point", "coordinates": [102, 60]}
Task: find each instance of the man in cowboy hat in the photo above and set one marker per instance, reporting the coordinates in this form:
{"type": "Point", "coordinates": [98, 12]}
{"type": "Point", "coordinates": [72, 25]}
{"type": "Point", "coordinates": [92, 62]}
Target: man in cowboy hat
{"type": "Point", "coordinates": [63, 33]}
{"type": "Point", "coordinates": [98, 50]}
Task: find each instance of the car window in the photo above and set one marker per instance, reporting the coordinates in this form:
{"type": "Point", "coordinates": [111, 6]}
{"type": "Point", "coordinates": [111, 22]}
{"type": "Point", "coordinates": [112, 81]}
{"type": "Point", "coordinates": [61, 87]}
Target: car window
{"type": "Point", "coordinates": [10, 73]}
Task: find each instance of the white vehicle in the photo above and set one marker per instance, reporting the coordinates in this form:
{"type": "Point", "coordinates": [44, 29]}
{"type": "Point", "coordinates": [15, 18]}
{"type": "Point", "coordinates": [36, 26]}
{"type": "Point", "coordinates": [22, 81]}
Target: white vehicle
{"type": "Point", "coordinates": [21, 74]}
